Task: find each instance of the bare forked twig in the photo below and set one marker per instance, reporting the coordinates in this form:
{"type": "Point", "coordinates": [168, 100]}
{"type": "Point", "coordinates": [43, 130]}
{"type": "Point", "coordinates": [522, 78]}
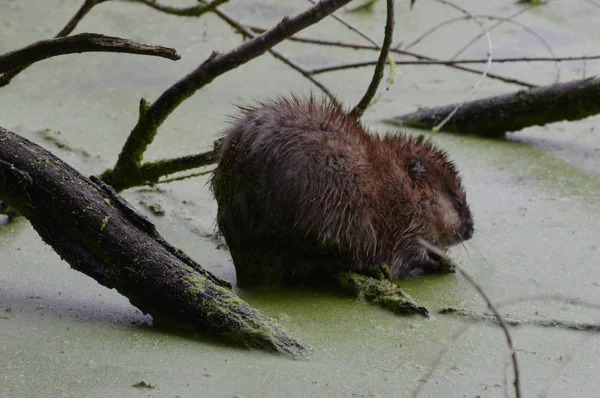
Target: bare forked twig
{"type": "Point", "coordinates": [418, 56]}
{"type": "Point", "coordinates": [490, 304]}
{"type": "Point", "coordinates": [249, 34]}
{"type": "Point", "coordinates": [501, 20]}
{"type": "Point", "coordinates": [82, 12]}
{"type": "Point", "coordinates": [151, 117]}
{"type": "Point", "coordinates": [204, 7]}
{"type": "Point", "coordinates": [494, 26]}
{"type": "Point", "coordinates": [194, 11]}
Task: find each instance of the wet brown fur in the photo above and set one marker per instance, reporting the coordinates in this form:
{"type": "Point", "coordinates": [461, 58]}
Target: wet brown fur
{"type": "Point", "coordinates": [304, 190]}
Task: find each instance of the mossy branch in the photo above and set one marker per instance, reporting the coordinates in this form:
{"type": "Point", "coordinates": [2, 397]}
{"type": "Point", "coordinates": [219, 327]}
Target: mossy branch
{"type": "Point", "coordinates": [217, 64]}
{"type": "Point", "coordinates": [101, 235]}
{"type": "Point", "coordinates": [382, 293]}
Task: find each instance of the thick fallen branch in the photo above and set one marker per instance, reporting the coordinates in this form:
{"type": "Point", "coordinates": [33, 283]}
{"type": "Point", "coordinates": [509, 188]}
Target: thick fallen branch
{"type": "Point", "coordinates": [494, 116]}
{"type": "Point", "coordinates": [99, 234]}
{"type": "Point", "coordinates": [84, 42]}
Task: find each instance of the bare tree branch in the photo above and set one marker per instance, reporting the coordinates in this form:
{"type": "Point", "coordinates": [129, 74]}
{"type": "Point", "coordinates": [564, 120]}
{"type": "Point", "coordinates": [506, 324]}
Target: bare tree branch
{"type": "Point", "coordinates": [194, 11]}
{"type": "Point", "coordinates": [217, 64]}
{"type": "Point", "coordinates": [99, 234]}
{"type": "Point", "coordinates": [84, 42]}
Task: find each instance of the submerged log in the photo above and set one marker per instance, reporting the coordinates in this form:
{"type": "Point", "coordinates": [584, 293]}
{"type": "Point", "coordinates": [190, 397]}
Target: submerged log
{"type": "Point", "coordinates": [101, 235]}
{"type": "Point", "coordinates": [494, 116]}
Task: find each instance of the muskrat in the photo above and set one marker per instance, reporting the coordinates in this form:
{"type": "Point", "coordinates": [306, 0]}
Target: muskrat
{"type": "Point", "coordinates": [304, 191]}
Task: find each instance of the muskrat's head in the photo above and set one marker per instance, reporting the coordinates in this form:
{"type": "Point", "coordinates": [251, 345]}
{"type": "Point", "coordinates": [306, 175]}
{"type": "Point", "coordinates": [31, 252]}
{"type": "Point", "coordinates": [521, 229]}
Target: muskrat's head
{"type": "Point", "coordinates": [439, 197]}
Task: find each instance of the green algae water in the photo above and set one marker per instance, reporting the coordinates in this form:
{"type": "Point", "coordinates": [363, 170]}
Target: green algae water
{"type": "Point", "coordinates": [534, 196]}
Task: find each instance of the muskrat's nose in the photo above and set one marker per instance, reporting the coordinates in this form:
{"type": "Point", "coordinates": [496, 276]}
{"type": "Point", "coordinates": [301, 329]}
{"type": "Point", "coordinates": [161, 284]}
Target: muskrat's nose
{"type": "Point", "coordinates": [466, 230]}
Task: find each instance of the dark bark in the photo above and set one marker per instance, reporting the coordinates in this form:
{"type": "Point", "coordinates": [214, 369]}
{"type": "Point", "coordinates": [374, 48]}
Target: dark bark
{"type": "Point", "coordinates": [99, 234]}
{"type": "Point", "coordinates": [494, 116]}
{"type": "Point", "coordinates": [152, 116]}
{"type": "Point", "coordinates": [84, 42]}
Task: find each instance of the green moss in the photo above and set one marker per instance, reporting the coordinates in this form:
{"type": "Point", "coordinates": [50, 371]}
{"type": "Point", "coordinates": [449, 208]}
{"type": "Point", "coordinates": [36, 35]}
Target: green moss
{"type": "Point", "coordinates": [51, 136]}
{"type": "Point", "coordinates": [107, 201]}
{"type": "Point", "coordinates": [143, 384]}
{"type": "Point", "coordinates": [104, 223]}
{"type": "Point", "coordinates": [380, 292]}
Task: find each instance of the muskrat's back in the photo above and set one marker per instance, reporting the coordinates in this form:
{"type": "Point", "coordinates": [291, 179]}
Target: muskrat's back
{"type": "Point", "coordinates": [304, 191]}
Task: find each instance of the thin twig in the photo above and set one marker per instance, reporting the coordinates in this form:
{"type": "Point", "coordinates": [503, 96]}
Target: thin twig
{"type": "Point", "coordinates": [334, 68]}
{"type": "Point", "coordinates": [487, 66]}
{"type": "Point", "coordinates": [186, 176]}
{"type": "Point", "coordinates": [82, 12]}
{"type": "Point", "coordinates": [150, 173]}
{"type": "Point", "coordinates": [443, 351]}
{"type": "Point", "coordinates": [352, 28]}
{"type": "Point", "coordinates": [86, 7]}
{"type": "Point", "coordinates": [563, 299]}
{"type": "Point", "coordinates": [194, 11]}
{"type": "Point", "coordinates": [376, 46]}
{"type": "Point", "coordinates": [84, 42]}
{"type": "Point", "coordinates": [489, 303]}
{"type": "Point", "coordinates": [356, 46]}
{"type": "Point", "coordinates": [248, 33]}
{"type": "Point", "coordinates": [494, 26]}
{"type": "Point", "coordinates": [518, 300]}
{"type": "Point", "coordinates": [502, 20]}
{"type": "Point", "coordinates": [507, 361]}
{"type": "Point", "coordinates": [383, 56]}
{"type": "Point", "coordinates": [239, 27]}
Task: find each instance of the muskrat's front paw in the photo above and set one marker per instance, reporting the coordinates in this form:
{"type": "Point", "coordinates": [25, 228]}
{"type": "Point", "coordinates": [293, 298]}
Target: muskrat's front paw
{"type": "Point", "coordinates": [446, 266]}
{"type": "Point", "coordinates": [433, 264]}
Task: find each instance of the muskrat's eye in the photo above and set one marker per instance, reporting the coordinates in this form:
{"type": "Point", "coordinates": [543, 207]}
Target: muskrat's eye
{"type": "Point", "coordinates": [416, 168]}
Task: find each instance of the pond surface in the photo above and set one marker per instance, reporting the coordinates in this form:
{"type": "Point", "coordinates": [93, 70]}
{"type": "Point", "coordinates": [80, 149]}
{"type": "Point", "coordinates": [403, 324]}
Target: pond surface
{"type": "Point", "coordinates": [535, 197]}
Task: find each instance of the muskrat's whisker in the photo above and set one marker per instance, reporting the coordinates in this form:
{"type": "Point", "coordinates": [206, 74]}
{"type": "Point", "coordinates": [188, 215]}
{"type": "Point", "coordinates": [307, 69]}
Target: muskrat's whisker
{"type": "Point", "coordinates": [480, 232]}
{"type": "Point", "coordinates": [462, 243]}
{"type": "Point", "coordinates": [481, 255]}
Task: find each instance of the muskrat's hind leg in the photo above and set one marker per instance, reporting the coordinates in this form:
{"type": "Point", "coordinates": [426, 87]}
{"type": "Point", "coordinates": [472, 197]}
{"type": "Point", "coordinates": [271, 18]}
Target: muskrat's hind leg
{"type": "Point", "coordinates": [258, 267]}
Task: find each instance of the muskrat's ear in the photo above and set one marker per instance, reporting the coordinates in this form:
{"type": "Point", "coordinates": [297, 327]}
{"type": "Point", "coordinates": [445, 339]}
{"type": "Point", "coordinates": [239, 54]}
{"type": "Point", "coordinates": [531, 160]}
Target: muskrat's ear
{"type": "Point", "coordinates": [416, 168]}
